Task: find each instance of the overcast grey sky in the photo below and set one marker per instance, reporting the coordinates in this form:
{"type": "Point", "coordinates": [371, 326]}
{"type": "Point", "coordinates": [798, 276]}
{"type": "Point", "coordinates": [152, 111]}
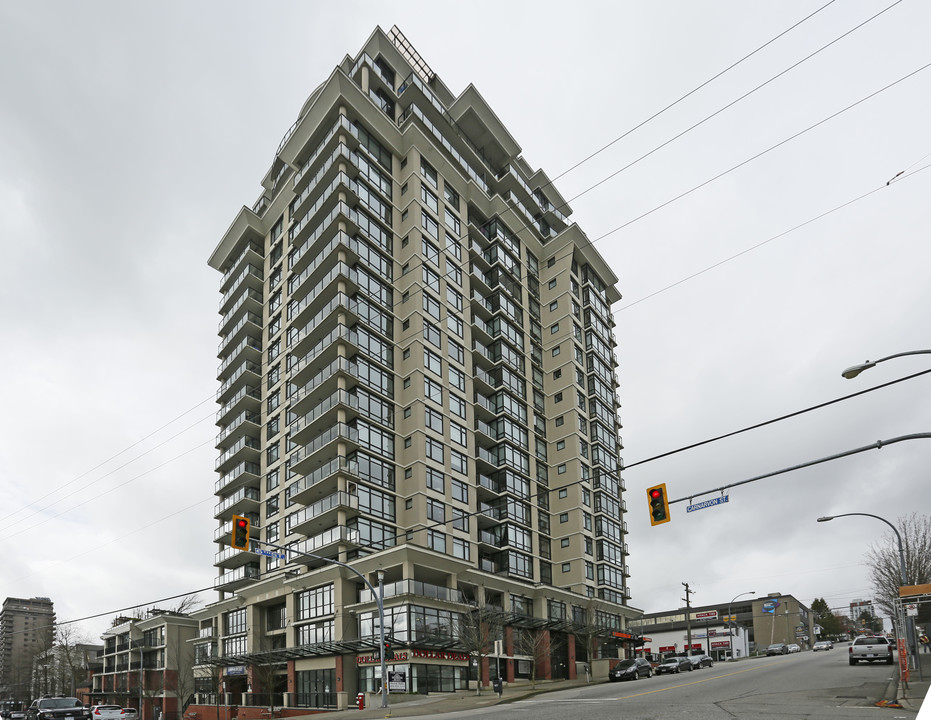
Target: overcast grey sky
{"type": "Point", "coordinates": [131, 133]}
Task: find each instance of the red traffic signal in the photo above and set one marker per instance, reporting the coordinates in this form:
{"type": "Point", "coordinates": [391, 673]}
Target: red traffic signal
{"type": "Point", "coordinates": [240, 539]}
{"type": "Point", "coordinates": [659, 504]}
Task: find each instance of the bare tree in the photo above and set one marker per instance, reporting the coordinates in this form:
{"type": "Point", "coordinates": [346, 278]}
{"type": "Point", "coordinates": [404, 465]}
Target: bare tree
{"type": "Point", "coordinates": [591, 626]}
{"type": "Point", "coordinates": [70, 649]}
{"type": "Point", "coordinates": [534, 643]}
{"type": "Point", "coordinates": [479, 627]}
{"type": "Point", "coordinates": [187, 604]}
{"type": "Point", "coordinates": [883, 560]}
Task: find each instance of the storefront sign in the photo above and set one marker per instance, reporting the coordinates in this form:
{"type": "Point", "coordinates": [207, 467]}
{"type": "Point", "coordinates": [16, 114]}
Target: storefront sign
{"type": "Point", "coordinates": [719, 644]}
{"type": "Point", "coordinates": [667, 648]}
{"type": "Point", "coordinates": [236, 670]}
{"type": "Point", "coordinates": [625, 636]}
{"type": "Point", "coordinates": [397, 681]}
{"type": "Point", "coordinates": [405, 655]}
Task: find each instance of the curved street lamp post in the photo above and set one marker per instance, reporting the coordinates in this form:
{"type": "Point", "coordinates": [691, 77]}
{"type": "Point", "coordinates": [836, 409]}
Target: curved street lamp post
{"type": "Point", "coordinates": [730, 635]}
{"type": "Point", "coordinates": [854, 370]}
{"type": "Point", "coordinates": [903, 571]}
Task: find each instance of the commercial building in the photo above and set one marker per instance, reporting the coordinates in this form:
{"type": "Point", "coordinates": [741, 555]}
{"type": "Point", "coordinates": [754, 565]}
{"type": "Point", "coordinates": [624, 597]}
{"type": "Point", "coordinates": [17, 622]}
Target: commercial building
{"type": "Point", "coordinates": [731, 629]}
{"type": "Point", "coordinates": [417, 379]}
{"type": "Point", "coordinates": [147, 664]}
{"type": "Point", "coordinates": [27, 629]}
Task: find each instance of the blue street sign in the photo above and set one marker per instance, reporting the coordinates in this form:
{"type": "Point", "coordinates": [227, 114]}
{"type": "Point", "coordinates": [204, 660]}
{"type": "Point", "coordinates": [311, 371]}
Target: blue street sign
{"type": "Point", "coordinates": [707, 503]}
{"type": "Point", "coordinates": [269, 553]}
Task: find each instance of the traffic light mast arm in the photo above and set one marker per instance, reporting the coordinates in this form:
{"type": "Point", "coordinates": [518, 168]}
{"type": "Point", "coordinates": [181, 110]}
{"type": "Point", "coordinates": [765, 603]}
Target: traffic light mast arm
{"type": "Point", "coordinates": [875, 446]}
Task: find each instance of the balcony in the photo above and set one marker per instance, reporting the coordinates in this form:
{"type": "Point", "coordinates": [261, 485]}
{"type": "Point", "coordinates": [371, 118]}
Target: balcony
{"type": "Point", "coordinates": [247, 499]}
{"type": "Point", "coordinates": [246, 399]}
{"type": "Point", "coordinates": [251, 255]}
{"type": "Point", "coordinates": [238, 578]}
{"type": "Point", "coordinates": [418, 589]}
{"type": "Point", "coordinates": [323, 481]}
{"type": "Point", "coordinates": [249, 301]}
{"type": "Point", "coordinates": [249, 348]}
{"type": "Point", "coordinates": [248, 372]}
{"type": "Point", "coordinates": [323, 352]}
{"type": "Point", "coordinates": [324, 415]}
{"type": "Point", "coordinates": [247, 448]}
{"type": "Point", "coordinates": [246, 473]}
{"type": "Point", "coordinates": [247, 420]}
{"type": "Point", "coordinates": [303, 459]}
{"type": "Point", "coordinates": [250, 277]}
{"type": "Point", "coordinates": [324, 513]}
{"type": "Point", "coordinates": [325, 545]}
{"type": "Point", "coordinates": [231, 558]}
{"type": "Point", "coordinates": [248, 325]}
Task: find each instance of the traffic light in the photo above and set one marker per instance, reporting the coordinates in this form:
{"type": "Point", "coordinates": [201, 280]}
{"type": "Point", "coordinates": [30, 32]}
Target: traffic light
{"type": "Point", "coordinates": [659, 504]}
{"type": "Point", "coordinates": [240, 532]}
{"type": "Point", "coordinates": [389, 653]}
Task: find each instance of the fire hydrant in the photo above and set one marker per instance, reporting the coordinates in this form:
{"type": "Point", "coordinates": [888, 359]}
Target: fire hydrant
{"type": "Point", "coordinates": [360, 701]}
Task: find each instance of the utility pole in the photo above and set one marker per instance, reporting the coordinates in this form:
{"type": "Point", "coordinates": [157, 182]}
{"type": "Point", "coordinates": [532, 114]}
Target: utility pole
{"type": "Point", "coordinates": [688, 618]}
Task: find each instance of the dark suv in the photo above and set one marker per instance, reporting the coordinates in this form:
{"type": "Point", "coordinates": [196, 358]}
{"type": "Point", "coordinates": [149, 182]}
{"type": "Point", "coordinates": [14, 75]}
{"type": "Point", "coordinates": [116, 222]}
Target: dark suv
{"type": "Point", "coordinates": [57, 708]}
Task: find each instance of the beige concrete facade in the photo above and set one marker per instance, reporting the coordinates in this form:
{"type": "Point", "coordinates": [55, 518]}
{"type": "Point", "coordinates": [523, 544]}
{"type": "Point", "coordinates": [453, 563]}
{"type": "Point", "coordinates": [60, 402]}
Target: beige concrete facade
{"type": "Point", "coordinates": [417, 370]}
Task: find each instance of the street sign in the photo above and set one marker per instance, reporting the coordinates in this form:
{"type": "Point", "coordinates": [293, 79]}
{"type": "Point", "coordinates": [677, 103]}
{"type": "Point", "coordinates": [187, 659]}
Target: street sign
{"type": "Point", "coordinates": [269, 553]}
{"type": "Point", "coordinates": [707, 503]}
{"type": "Point", "coordinates": [911, 609]}
{"type": "Point", "coordinates": [707, 615]}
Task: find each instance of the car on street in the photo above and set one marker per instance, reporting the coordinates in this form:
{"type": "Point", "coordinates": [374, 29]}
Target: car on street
{"type": "Point", "coordinates": [674, 664]}
{"type": "Point", "coordinates": [631, 669]}
{"type": "Point", "coordinates": [871, 649]}
{"type": "Point", "coordinates": [701, 660]}
{"type": "Point", "coordinates": [57, 708]}
{"type": "Point", "coordinates": [823, 645]}
{"type": "Point", "coordinates": [129, 714]}
{"type": "Point", "coordinates": [106, 712]}
{"type": "Point", "coordinates": [793, 648]}
{"type": "Point", "coordinates": [777, 649]}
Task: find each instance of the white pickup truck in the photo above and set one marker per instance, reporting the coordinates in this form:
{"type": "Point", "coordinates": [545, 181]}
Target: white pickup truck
{"type": "Point", "coordinates": [871, 649]}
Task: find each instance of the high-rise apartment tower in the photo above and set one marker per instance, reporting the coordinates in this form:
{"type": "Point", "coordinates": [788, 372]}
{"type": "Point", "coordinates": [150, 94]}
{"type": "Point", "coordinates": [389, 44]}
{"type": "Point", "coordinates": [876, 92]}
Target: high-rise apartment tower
{"type": "Point", "coordinates": [417, 378]}
{"type": "Point", "coordinates": [27, 629]}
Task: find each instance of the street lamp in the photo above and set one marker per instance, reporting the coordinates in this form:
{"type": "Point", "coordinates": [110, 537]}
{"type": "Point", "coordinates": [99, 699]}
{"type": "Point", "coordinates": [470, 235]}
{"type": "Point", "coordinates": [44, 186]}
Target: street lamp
{"type": "Point", "coordinates": [903, 572]}
{"type": "Point", "coordinates": [730, 636]}
{"type": "Point", "coordinates": [855, 370]}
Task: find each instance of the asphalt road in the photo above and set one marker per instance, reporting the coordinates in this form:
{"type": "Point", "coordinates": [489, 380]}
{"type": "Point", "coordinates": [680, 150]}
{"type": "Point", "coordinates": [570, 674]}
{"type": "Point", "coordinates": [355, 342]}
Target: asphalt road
{"type": "Point", "coordinates": [788, 687]}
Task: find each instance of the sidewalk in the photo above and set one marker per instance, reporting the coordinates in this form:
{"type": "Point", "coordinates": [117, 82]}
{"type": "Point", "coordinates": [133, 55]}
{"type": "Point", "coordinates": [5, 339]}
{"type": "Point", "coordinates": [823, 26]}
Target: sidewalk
{"type": "Point", "coordinates": [400, 706]}
{"type": "Point", "coordinates": [917, 691]}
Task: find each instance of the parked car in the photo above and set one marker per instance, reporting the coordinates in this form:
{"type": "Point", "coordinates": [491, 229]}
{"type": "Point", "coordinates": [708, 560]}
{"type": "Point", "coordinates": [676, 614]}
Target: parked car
{"type": "Point", "coordinates": [777, 649]}
{"type": "Point", "coordinates": [674, 664]}
{"type": "Point", "coordinates": [701, 660]}
{"type": "Point", "coordinates": [793, 648]}
{"type": "Point", "coordinates": [106, 712]}
{"type": "Point", "coordinates": [631, 670]}
{"type": "Point", "coordinates": [129, 714]}
{"type": "Point", "coordinates": [822, 645]}
{"type": "Point", "coordinates": [57, 708]}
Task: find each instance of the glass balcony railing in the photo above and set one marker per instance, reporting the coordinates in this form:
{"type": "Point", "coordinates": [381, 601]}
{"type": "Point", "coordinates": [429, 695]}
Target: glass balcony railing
{"type": "Point", "coordinates": [417, 588]}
